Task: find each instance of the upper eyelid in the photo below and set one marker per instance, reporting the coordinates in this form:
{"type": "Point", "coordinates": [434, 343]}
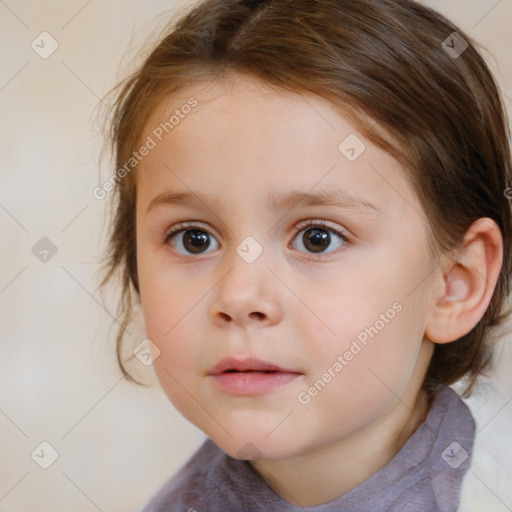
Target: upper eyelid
{"type": "Point", "coordinates": [323, 223]}
{"type": "Point", "coordinates": [183, 226]}
{"type": "Point", "coordinates": [303, 224]}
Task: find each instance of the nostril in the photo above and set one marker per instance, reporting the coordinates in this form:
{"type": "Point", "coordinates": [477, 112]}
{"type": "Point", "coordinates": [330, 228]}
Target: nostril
{"type": "Point", "coordinates": [259, 315]}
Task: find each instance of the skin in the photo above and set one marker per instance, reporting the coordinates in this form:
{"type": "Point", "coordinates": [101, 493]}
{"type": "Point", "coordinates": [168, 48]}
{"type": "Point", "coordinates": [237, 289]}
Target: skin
{"type": "Point", "coordinates": [293, 307]}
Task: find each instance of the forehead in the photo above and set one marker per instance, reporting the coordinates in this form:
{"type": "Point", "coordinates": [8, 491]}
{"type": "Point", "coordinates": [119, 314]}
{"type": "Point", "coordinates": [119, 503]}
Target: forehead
{"type": "Point", "coordinates": [244, 137]}
{"type": "Point", "coordinates": [243, 110]}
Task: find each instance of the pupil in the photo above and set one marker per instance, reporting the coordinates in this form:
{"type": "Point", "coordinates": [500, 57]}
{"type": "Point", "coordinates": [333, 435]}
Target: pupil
{"type": "Point", "coordinates": [195, 240]}
{"type": "Point", "coordinates": [317, 239]}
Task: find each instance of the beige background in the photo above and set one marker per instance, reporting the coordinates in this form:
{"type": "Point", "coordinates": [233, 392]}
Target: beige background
{"type": "Point", "coordinates": [116, 442]}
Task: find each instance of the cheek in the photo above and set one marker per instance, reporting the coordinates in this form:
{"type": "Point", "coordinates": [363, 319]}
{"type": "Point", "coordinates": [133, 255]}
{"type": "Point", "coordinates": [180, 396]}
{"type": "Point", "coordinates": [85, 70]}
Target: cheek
{"type": "Point", "coordinates": [166, 297]}
{"type": "Point", "coordinates": [345, 309]}
{"type": "Point", "coordinates": [167, 319]}
{"type": "Point", "coordinates": [368, 383]}
{"type": "Point", "coordinates": [369, 321]}
{"type": "Point", "coordinates": [169, 307]}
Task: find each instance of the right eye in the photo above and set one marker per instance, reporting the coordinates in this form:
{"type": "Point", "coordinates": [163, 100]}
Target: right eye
{"type": "Point", "coordinates": [189, 241]}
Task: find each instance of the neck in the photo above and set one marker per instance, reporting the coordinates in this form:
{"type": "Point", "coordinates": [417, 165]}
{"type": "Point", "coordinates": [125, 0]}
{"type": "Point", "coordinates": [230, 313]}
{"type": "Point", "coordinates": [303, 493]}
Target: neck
{"type": "Point", "coordinates": [326, 473]}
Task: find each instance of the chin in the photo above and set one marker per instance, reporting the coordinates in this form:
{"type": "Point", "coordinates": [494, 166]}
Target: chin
{"type": "Point", "coordinates": [246, 447]}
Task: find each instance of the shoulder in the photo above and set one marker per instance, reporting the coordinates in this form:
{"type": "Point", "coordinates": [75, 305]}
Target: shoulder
{"type": "Point", "coordinates": [188, 480]}
{"type": "Point", "coordinates": [210, 480]}
{"type": "Point", "coordinates": [427, 472]}
{"type": "Point", "coordinates": [449, 433]}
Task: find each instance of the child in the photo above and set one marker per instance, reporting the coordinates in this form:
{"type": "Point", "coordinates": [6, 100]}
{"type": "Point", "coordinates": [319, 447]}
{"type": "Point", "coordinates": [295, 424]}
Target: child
{"type": "Point", "coordinates": [311, 210]}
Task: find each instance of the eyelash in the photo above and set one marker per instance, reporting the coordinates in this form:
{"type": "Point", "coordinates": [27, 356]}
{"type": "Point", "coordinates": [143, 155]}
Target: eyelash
{"type": "Point", "coordinates": [184, 226]}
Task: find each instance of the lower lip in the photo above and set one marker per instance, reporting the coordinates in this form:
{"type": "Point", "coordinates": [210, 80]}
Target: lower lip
{"type": "Point", "coordinates": [252, 383]}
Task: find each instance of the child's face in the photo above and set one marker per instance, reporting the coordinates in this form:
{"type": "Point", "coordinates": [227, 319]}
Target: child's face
{"type": "Point", "coordinates": [210, 295]}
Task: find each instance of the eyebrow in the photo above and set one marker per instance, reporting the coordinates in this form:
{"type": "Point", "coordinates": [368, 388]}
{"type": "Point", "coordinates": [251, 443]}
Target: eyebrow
{"type": "Point", "coordinates": [276, 201]}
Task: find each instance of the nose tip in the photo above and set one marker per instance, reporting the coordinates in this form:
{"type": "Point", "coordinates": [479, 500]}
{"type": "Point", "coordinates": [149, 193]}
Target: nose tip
{"type": "Point", "coordinates": [246, 294]}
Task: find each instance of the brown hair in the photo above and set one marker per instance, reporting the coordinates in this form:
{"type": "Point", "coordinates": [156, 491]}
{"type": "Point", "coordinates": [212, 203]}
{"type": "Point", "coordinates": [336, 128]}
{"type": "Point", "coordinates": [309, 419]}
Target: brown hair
{"type": "Point", "coordinates": [384, 65]}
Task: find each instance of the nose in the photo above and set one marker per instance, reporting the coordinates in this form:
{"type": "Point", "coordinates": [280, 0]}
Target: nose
{"type": "Point", "coordinates": [247, 294]}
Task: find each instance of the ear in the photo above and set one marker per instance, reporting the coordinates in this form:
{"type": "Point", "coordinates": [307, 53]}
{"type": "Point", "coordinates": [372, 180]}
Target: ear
{"type": "Point", "coordinates": [468, 283]}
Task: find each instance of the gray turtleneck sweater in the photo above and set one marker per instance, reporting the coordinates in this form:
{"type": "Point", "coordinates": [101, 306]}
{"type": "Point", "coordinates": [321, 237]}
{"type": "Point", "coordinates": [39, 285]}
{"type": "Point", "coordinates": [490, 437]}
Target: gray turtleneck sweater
{"type": "Point", "coordinates": [424, 476]}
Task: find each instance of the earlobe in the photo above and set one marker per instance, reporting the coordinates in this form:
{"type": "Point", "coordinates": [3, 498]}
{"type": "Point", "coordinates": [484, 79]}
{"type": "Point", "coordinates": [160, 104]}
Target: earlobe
{"type": "Point", "coordinates": [468, 284]}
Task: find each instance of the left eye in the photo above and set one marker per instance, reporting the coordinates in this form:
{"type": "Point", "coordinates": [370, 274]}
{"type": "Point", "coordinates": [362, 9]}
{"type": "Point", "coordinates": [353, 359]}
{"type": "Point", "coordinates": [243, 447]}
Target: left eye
{"type": "Point", "coordinates": [317, 237]}
{"type": "Point", "coordinates": [187, 238]}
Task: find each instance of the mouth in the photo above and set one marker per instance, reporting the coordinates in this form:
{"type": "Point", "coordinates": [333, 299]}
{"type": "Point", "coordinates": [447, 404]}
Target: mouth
{"type": "Point", "coordinates": [250, 377]}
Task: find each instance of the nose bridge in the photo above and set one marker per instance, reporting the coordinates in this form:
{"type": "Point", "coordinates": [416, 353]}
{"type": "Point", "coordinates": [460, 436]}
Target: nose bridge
{"type": "Point", "coordinates": [247, 269]}
{"type": "Point", "coordinates": [245, 292]}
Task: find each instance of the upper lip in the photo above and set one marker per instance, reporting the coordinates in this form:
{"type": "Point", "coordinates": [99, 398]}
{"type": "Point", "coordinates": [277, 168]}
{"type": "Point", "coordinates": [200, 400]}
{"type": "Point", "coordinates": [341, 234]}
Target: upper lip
{"type": "Point", "coordinates": [247, 364]}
